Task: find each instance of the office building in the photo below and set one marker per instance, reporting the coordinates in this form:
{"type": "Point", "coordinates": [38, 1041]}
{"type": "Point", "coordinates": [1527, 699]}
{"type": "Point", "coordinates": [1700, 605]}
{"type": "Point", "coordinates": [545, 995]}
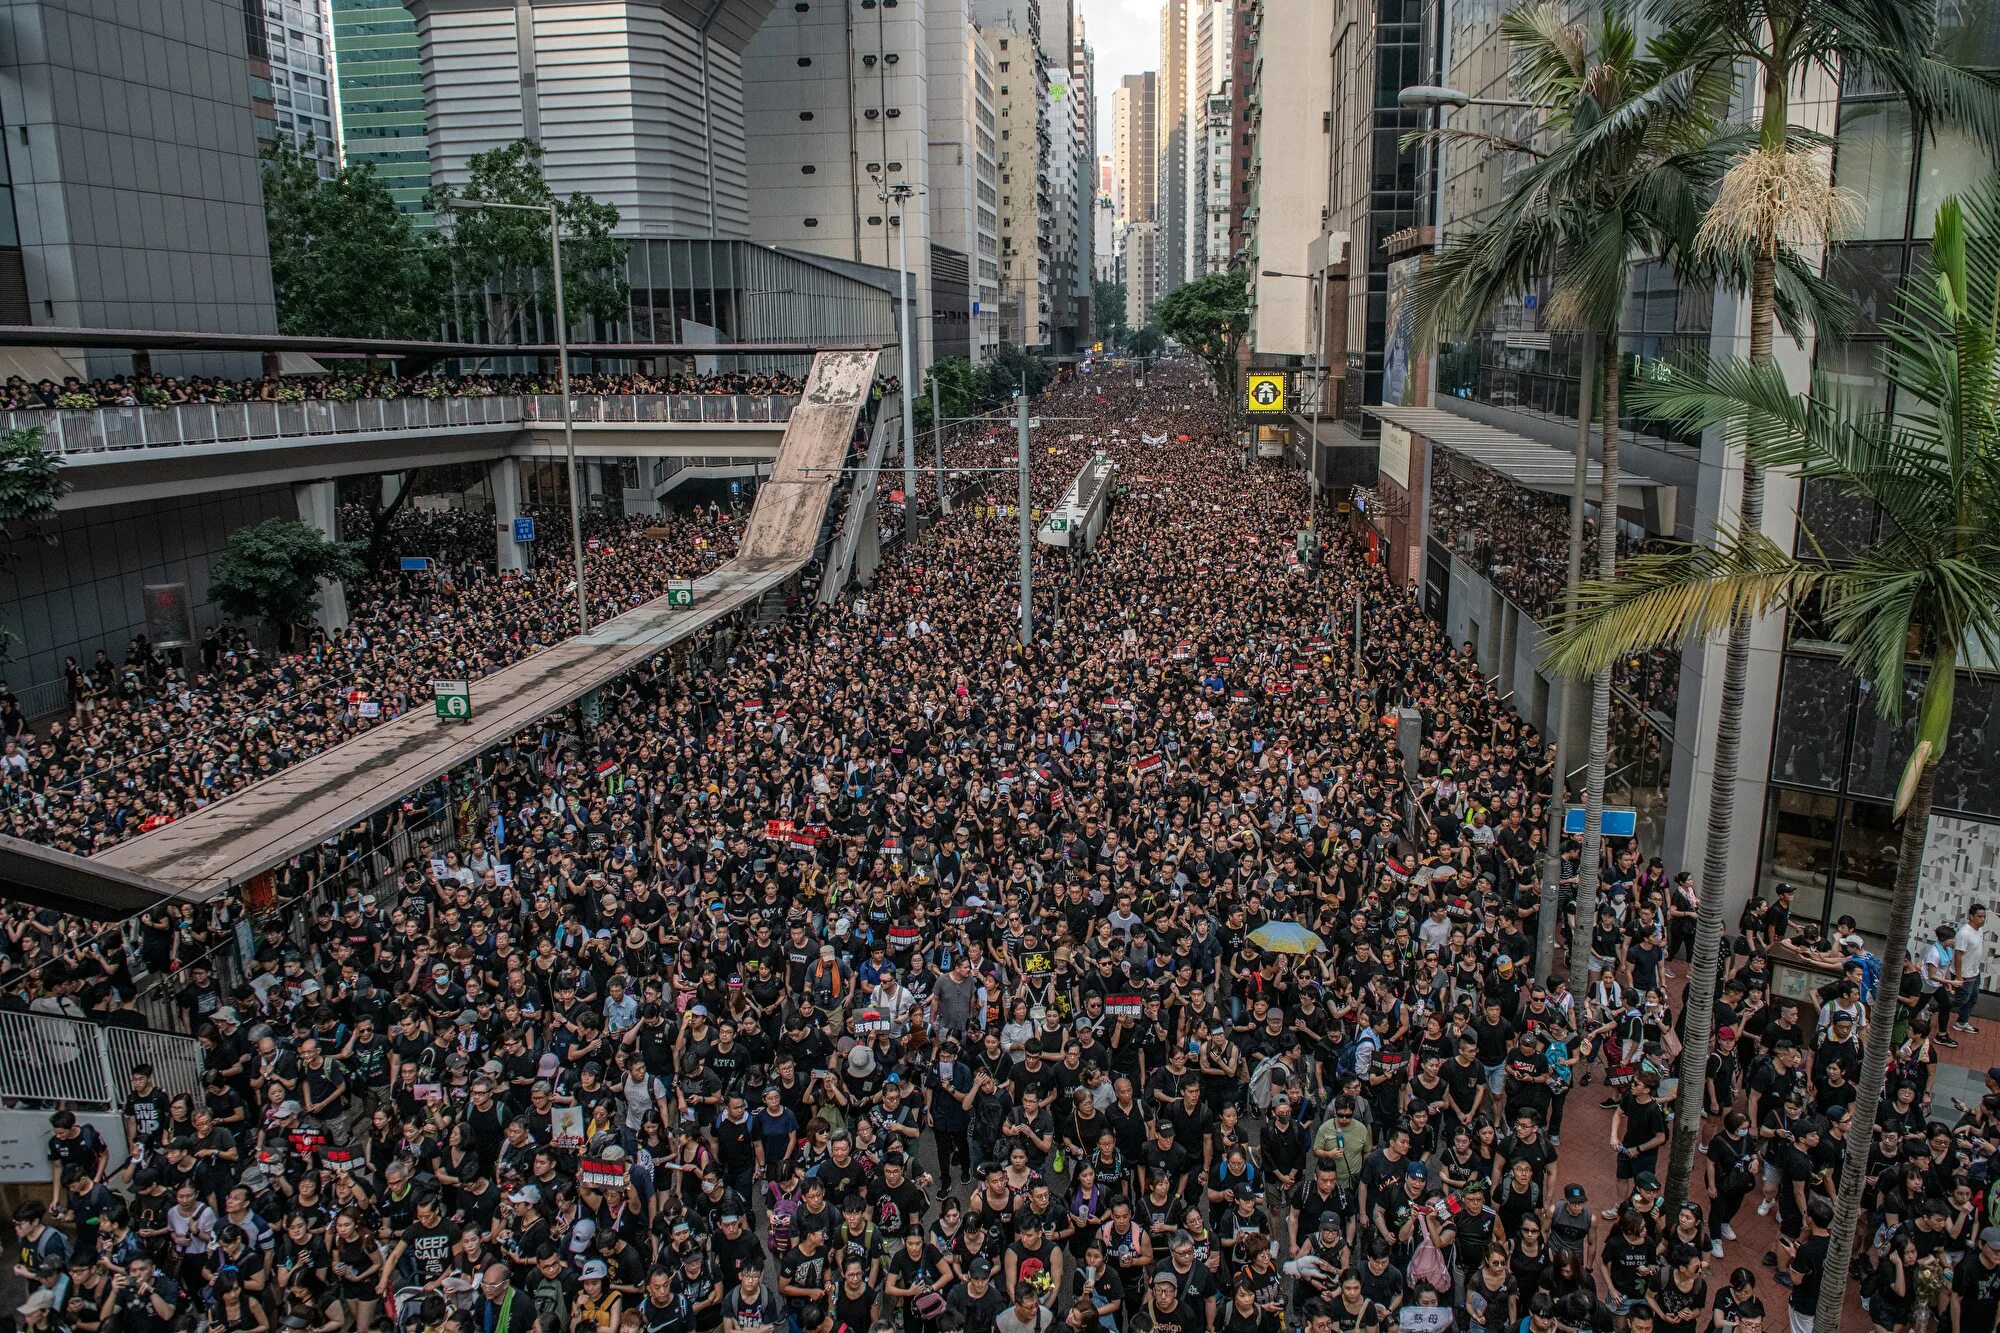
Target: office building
{"type": "Point", "coordinates": [837, 107]}
{"type": "Point", "coordinates": [1026, 209]}
{"type": "Point", "coordinates": [378, 72]}
{"type": "Point", "coordinates": [132, 195]}
{"type": "Point", "coordinates": [636, 102]}
{"type": "Point", "coordinates": [298, 57]}
{"type": "Point", "coordinates": [1290, 89]}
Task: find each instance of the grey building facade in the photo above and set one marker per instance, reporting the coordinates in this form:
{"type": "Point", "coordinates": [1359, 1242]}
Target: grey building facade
{"type": "Point", "coordinates": [133, 182]}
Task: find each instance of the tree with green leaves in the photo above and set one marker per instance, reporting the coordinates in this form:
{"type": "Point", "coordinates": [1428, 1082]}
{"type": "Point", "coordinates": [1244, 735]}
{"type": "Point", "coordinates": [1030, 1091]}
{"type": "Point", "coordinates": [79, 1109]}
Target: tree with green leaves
{"type": "Point", "coordinates": [1914, 606]}
{"type": "Point", "coordinates": [274, 570]}
{"type": "Point", "coordinates": [959, 390]}
{"type": "Point", "coordinates": [31, 483]}
{"type": "Point", "coordinates": [1776, 200]}
{"type": "Point", "coordinates": [498, 261]}
{"type": "Point", "coordinates": [1210, 317]}
{"type": "Point", "coordinates": [1146, 342]}
{"type": "Point", "coordinates": [1013, 368]}
{"type": "Point", "coordinates": [1107, 300]}
{"type": "Point", "coordinates": [1628, 156]}
{"type": "Point", "coordinates": [344, 262]}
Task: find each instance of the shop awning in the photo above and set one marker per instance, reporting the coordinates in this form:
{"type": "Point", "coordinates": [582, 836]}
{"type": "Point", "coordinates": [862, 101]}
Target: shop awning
{"type": "Point", "coordinates": [1521, 460]}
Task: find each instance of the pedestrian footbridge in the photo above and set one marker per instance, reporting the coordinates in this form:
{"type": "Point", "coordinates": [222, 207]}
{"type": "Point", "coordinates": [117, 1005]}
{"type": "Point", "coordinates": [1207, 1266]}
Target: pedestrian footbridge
{"type": "Point", "coordinates": [217, 849]}
{"type": "Point", "coordinates": [120, 454]}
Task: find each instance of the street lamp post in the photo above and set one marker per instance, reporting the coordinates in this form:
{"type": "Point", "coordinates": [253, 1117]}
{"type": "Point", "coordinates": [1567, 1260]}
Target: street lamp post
{"type": "Point", "coordinates": [550, 211]}
{"type": "Point", "coordinates": [901, 193]}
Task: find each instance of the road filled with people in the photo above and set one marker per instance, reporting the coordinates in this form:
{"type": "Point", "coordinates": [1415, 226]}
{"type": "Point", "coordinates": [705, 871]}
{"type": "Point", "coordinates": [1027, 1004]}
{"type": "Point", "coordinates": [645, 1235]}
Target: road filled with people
{"type": "Point", "coordinates": [874, 972]}
{"type": "Point", "coordinates": [19, 394]}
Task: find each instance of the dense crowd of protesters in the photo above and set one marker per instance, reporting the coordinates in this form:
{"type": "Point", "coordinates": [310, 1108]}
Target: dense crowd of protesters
{"type": "Point", "coordinates": [155, 734]}
{"type": "Point", "coordinates": [153, 390]}
{"type": "Point", "coordinates": [891, 975]}
{"type": "Point", "coordinates": [1518, 540]}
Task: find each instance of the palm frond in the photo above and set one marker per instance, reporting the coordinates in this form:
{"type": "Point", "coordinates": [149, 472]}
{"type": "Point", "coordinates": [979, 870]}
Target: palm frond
{"type": "Point", "coordinates": [1669, 597]}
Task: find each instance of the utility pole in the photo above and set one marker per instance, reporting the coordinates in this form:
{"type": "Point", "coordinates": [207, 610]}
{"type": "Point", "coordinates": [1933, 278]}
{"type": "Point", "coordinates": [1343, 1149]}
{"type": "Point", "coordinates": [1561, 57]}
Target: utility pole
{"type": "Point", "coordinates": [901, 192]}
{"type": "Point", "coordinates": [937, 444]}
{"type": "Point", "coordinates": [1027, 525]}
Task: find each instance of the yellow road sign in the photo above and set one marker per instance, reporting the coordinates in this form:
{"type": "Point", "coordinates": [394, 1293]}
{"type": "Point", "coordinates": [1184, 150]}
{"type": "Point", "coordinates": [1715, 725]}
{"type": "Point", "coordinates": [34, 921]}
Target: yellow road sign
{"type": "Point", "coordinates": [1265, 393]}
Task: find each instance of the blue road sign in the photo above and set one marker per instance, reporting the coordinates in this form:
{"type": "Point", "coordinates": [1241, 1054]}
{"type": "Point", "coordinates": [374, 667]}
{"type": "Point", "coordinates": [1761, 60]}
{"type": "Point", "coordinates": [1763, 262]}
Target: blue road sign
{"type": "Point", "coordinates": [1619, 821]}
{"type": "Point", "coordinates": [524, 529]}
{"type": "Point", "coordinates": [416, 564]}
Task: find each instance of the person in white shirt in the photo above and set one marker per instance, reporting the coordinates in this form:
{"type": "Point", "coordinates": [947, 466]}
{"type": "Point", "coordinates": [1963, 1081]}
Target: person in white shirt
{"type": "Point", "coordinates": [1969, 949]}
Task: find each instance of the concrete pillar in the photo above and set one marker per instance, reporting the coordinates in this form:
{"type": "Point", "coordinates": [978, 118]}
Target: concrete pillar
{"type": "Point", "coordinates": [318, 505]}
{"type": "Point", "coordinates": [503, 478]}
{"type": "Point", "coordinates": [392, 486]}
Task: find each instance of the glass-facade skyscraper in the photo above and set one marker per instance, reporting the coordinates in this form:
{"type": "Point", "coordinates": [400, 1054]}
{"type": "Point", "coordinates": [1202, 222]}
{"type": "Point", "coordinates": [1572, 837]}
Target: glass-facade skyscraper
{"type": "Point", "coordinates": [382, 95]}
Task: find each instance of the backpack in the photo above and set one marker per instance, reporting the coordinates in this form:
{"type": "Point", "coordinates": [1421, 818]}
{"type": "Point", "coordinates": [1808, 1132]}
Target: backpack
{"type": "Point", "coordinates": [783, 1208]}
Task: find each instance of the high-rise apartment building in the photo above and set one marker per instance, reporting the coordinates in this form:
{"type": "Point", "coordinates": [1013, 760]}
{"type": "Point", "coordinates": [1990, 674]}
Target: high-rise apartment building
{"type": "Point", "coordinates": [1175, 84]}
{"type": "Point", "coordinates": [1083, 183]}
{"type": "Point", "coordinates": [1214, 35]}
{"type": "Point", "coordinates": [1026, 209]}
{"type": "Point", "coordinates": [1289, 92]}
{"type": "Point", "coordinates": [298, 52]}
{"type": "Point", "coordinates": [1135, 148]}
{"type": "Point", "coordinates": [964, 174]}
{"type": "Point", "coordinates": [378, 71]}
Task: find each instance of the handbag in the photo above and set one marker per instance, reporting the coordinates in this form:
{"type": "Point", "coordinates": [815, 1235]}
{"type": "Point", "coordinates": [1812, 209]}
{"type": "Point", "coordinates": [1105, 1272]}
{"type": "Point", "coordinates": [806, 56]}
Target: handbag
{"type": "Point", "coordinates": [928, 1305]}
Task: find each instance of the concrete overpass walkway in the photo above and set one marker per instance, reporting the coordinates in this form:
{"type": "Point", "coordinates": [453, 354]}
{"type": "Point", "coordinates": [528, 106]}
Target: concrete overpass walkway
{"type": "Point", "coordinates": [223, 846]}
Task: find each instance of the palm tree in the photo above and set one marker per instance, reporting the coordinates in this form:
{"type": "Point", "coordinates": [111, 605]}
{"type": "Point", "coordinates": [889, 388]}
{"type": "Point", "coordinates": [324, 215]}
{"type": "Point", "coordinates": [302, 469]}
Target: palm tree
{"type": "Point", "coordinates": [1777, 196]}
{"type": "Point", "coordinates": [1933, 583]}
{"type": "Point", "coordinates": [1637, 148]}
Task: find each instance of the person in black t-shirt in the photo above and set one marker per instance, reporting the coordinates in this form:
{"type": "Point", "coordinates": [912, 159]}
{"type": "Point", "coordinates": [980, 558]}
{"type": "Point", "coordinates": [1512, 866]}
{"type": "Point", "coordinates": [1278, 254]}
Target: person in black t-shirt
{"type": "Point", "coordinates": [1639, 1127]}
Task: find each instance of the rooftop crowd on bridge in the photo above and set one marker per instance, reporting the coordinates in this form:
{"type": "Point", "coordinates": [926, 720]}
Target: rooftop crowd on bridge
{"type": "Point", "coordinates": [154, 390]}
{"type": "Point", "coordinates": [874, 972]}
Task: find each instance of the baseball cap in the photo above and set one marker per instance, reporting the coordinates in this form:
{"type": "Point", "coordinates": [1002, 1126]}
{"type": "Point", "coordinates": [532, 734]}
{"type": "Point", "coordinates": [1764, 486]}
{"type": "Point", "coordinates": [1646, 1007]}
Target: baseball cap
{"type": "Point", "coordinates": [1646, 1180]}
{"type": "Point", "coordinates": [1990, 1237]}
{"type": "Point", "coordinates": [1418, 1171]}
{"type": "Point", "coordinates": [594, 1268]}
{"type": "Point", "coordinates": [1575, 1194]}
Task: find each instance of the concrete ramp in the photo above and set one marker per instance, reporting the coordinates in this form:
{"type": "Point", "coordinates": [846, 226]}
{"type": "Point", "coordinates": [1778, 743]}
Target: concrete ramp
{"type": "Point", "coordinates": [212, 851]}
{"type": "Point", "coordinates": [785, 522]}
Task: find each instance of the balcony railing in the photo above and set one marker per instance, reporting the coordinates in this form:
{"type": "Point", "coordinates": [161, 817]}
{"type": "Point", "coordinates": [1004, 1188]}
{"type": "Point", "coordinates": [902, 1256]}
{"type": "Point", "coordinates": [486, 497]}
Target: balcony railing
{"type": "Point", "coordinates": [117, 429]}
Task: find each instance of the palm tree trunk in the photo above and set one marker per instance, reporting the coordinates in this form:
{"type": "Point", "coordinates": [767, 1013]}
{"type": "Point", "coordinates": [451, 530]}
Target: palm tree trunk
{"type": "Point", "coordinates": [1875, 1060]}
{"type": "Point", "coordinates": [1600, 688]}
{"type": "Point", "coordinates": [1547, 919]}
{"type": "Point", "coordinates": [1698, 1029]}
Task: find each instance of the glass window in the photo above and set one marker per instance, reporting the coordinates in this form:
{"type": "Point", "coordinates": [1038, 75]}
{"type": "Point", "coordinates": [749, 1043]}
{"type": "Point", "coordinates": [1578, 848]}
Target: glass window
{"type": "Point", "coordinates": [1881, 747]}
{"type": "Point", "coordinates": [1798, 850]}
{"type": "Point", "coordinates": [1836, 520]}
{"type": "Point", "coordinates": [1873, 160]}
{"type": "Point", "coordinates": [1812, 721]}
{"type": "Point", "coordinates": [1969, 776]}
{"type": "Point", "coordinates": [1874, 273]}
{"type": "Point", "coordinates": [1865, 879]}
{"type": "Point", "coordinates": [1952, 163]}
{"type": "Point", "coordinates": [1854, 368]}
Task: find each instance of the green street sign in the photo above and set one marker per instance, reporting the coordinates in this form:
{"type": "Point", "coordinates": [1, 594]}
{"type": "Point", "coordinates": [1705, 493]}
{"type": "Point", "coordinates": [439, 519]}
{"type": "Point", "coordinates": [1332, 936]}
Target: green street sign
{"type": "Point", "coordinates": [453, 700]}
{"type": "Point", "coordinates": [680, 592]}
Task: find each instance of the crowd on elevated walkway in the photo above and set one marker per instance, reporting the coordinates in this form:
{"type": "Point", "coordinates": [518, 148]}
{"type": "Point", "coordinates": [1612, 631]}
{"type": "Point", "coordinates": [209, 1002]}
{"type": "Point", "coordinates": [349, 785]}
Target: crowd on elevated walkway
{"type": "Point", "coordinates": [150, 390]}
{"type": "Point", "coordinates": [892, 974]}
